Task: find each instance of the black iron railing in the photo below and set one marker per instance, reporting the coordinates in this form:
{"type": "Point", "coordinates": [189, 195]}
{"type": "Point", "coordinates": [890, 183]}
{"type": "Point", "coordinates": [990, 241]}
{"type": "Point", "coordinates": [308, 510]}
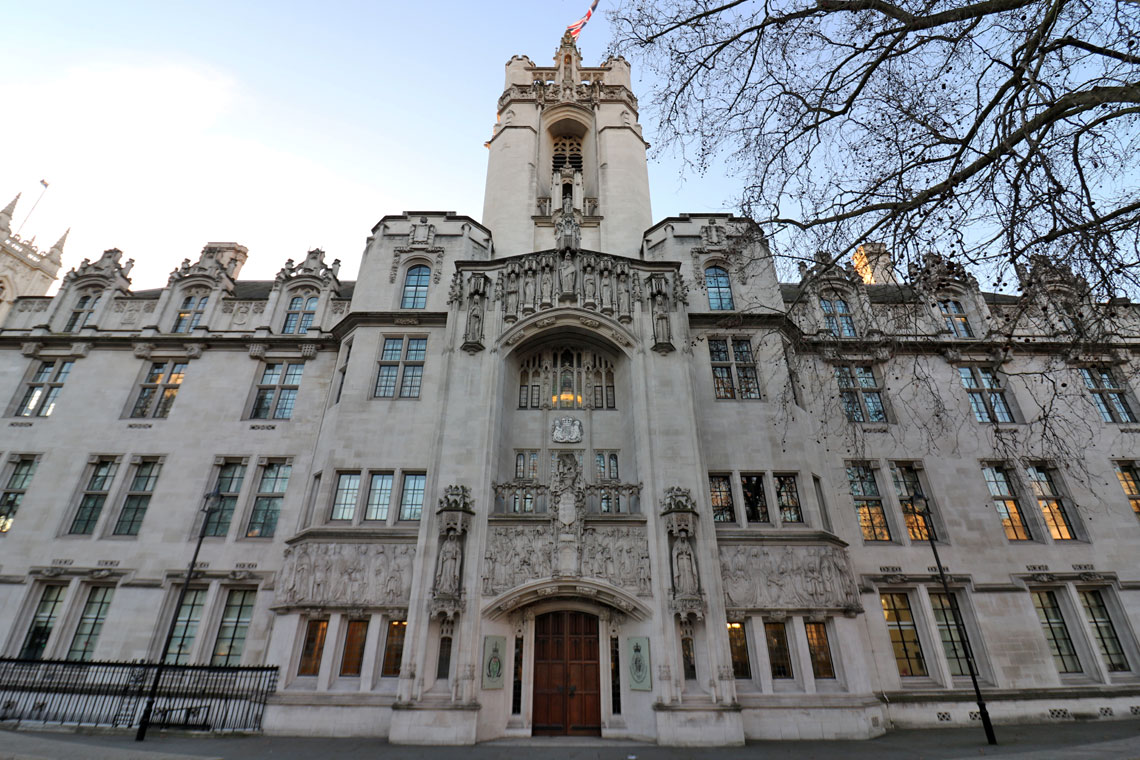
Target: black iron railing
{"type": "Point", "coordinates": [196, 697]}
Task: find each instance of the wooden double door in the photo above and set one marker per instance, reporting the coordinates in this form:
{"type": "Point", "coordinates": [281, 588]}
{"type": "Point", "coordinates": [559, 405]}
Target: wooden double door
{"type": "Point", "coordinates": [567, 689]}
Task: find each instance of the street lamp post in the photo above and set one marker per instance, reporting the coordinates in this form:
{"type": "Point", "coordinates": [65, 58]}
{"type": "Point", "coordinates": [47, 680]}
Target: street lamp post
{"type": "Point", "coordinates": [983, 713]}
{"type": "Point", "coordinates": [210, 505]}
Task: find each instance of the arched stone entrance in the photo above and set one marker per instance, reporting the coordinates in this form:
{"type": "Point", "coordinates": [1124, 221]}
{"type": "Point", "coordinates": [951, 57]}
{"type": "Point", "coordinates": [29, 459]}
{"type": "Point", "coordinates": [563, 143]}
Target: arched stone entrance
{"type": "Point", "coordinates": [567, 675]}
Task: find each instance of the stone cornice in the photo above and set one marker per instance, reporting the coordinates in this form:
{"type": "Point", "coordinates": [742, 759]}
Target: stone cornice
{"type": "Point", "coordinates": [356, 319]}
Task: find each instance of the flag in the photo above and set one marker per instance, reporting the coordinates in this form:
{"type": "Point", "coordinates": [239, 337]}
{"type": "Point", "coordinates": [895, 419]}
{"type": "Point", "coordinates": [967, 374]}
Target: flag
{"type": "Point", "coordinates": [45, 184]}
{"type": "Point", "coordinates": [576, 28]}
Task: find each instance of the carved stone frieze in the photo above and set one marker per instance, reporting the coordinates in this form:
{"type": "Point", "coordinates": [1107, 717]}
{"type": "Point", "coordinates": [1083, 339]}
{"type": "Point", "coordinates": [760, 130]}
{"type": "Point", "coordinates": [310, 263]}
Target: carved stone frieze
{"type": "Point", "coordinates": [519, 554]}
{"type": "Point", "coordinates": [787, 577]}
{"type": "Point", "coordinates": [346, 574]}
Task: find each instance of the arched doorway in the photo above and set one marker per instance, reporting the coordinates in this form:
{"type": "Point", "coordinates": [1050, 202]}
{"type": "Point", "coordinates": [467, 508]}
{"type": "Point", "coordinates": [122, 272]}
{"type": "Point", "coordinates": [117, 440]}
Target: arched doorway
{"type": "Point", "coordinates": [567, 680]}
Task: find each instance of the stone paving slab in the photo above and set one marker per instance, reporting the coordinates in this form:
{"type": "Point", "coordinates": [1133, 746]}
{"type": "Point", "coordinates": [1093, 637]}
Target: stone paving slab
{"type": "Point", "coordinates": [1108, 740]}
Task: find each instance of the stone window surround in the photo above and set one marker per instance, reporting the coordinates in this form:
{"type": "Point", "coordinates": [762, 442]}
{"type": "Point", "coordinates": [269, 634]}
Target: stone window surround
{"type": "Point", "coordinates": [251, 485]}
{"type": "Point", "coordinates": [328, 678]}
{"type": "Point", "coordinates": [734, 368]}
{"type": "Point", "coordinates": [109, 494]}
{"type": "Point", "coordinates": [13, 492]}
{"type": "Point", "coordinates": [926, 626]}
{"type": "Point", "coordinates": [803, 677]}
{"type": "Point", "coordinates": [892, 506]}
{"type": "Point", "coordinates": [775, 519]}
{"type": "Point", "coordinates": [126, 491]}
{"type": "Point", "coordinates": [327, 493]}
{"type": "Point", "coordinates": [1022, 490]}
{"type": "Point", "coordinates": [401, 365]}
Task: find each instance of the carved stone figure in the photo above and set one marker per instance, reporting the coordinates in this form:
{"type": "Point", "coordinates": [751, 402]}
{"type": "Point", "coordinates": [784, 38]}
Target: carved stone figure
{"type": "Point", "coordinates": [569, 232]}
{"type": "Point", "coordinates": [684, 570]}
{"type": "Point", "coordinates": [590, 284]}
{"type": "Point", "coordinates": [528, 289]}
{"type": "Point", "coordinates": [335, 574]}
{"type": "Point", "coordinates": [475, 319]}
{"type": "Point", "coordinates": [623, 294]}
{"type": "Point", "coordinates": [450, 561]}
{"type": "Point", "coordinates": [661, 332]}
{"type": "Point", "coordinates": [512, 294]}
{"type": "Point", "coordinates": [547, 284]}
{"type": "Point", "coordinates": [811, 577]}
{"type": "Point", "coordinates": [569, 275]}
{"type": "Point", "coordinates": [607, 292]}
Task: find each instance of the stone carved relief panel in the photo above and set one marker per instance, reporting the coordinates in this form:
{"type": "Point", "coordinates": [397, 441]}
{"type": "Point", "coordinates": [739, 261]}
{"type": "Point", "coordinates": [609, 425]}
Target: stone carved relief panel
{"type": "Point", "coordinates": [346, 574]}
{"type": "Point", "coordinates": [787, 577]}
{"type": "Point", "coordinates": [518, 554]}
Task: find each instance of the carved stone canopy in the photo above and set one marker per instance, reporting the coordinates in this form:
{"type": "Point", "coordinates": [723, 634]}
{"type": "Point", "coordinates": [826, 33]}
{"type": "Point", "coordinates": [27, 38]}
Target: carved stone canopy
{"type": "Point", "coordinates": [105, 267]}
{"type": "Point", "coordinates": [679, 511]}
{"type": "Point", "coordinates": [455, 510]}
{"type": "Point", "coordinates": [313, 266]}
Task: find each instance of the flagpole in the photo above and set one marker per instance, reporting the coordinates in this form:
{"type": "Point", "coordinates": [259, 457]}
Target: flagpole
{"type": "Point", "coordinates": [29, 216]}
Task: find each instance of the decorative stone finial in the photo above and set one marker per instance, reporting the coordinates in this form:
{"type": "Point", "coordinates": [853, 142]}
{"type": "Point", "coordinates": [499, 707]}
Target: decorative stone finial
{"type": "Point", "coordinates": [6, 216]}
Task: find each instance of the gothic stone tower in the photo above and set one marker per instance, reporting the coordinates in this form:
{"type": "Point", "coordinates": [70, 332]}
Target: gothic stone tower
{"type": "Point", "coordinates": [567, 137]}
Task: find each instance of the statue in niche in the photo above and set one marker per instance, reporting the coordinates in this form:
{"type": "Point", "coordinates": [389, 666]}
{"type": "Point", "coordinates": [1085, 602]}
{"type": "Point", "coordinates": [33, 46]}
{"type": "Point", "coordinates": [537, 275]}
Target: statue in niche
{"type": "Point", "coordinates": [623, 294]}
{"type": "Point", "coordinates": [528, 289]}
{"type": "Point", "coordinates": [512, 293]}
{"type": "Point", "coordinates": [567, 204]}
{"type": "Point", "coordinates": [569, 233]}
{"type": "Point", "coordinates": [684, 571]}
{"type": "Point", "coordinates": [589, 283]}
{"type": "Point", "coordinates": [660, 318]}
{"type": "Point", "coordinates": [475, 318]}
{"type": "Point", "coordinates": [569, 275]}
{"type": "Point", "coordinates": [607, 291]}
{"type": "Point", "coordinates": [450, 559]}
{"type": "Point", "coordinates": [547, 283]}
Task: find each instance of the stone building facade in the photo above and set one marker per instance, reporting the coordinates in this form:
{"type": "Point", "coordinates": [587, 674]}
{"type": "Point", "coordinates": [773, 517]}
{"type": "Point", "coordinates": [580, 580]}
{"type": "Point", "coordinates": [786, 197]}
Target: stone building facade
{"type": "Point", "coordinates": [565, 471]}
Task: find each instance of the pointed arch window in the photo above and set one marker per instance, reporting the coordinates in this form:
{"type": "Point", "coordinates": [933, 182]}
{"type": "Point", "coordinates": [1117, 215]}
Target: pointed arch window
{"type": "Point", "coordinates": [82, 313]}
{"type": "Point", "coordinates": [837, 317]}
{"type": "Point", "coordinates": [719, 288]}
{"type": "Point", "coordinates": [416, 287]}
{"type": "Point", "coordinates": [567, 152]}
{"type": "Point", "coordinates": [190, 313]}
{"type": "Point", "coordinates": [299, 317]}
{"type": "Point", "coordinates": [567, 378]}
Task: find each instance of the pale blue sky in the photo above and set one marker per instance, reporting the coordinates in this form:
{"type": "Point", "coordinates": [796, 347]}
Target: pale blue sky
{"type": "Point", "coordinates": [284, 126]}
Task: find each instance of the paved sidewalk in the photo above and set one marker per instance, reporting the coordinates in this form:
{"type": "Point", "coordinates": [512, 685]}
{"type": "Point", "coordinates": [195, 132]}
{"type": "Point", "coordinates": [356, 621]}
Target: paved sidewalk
{"type": "Point", "coordinates": [1110, 740]}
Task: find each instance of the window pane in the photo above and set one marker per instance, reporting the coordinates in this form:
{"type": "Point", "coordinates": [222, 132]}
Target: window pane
{"type": "Point", "coordinates": [412, 497]}
{"type": "Point", "coordinates": [720, 491]}
{"type": "Point", "coordinates": [778, 654]}
{"type": "Point", "coordinates": [186, 627]}
{"type": "Point", "coordinates": [819, 649]}
{"type": "Point", "coordinates": [788, 499]}
{"type": "Point", "coordinates": [394, 648]}
{"type": "Point", "coordinates": [234, 626]}
{"type": "Point", "coordinates": [354, 637]}
{"type": "Point", "coordinates": [413, 376]}
{"type": "Point", "coordinates": [386, 381]}
{"type": "Point", "coordinates": [379, 497]}
{"type": "Point", "coordinates": [1056, 632]}
{"type": "Point", "coordinates": [393, 349]}
{"type": "Point", "coordinates": [417, 349]}
{"type": "Point", "coordinates": [1107, 641]}
{"type": "Point", "coordinates": [344, 501]}
{"type": "Point", "coordinates": [755, 502]}
{"type": "Point", "coordinates": [43, 620]}
{"type": "Point", "coordinates": [948, 619]}
{"type": "Point", "coordinates": [738, 647]}
{"type": "Point", "coordinates": [904, 635]}
{"type": "Point", "coordinates": [312, 648]}
{"type": "Point", "coordinates": [90, 624]}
